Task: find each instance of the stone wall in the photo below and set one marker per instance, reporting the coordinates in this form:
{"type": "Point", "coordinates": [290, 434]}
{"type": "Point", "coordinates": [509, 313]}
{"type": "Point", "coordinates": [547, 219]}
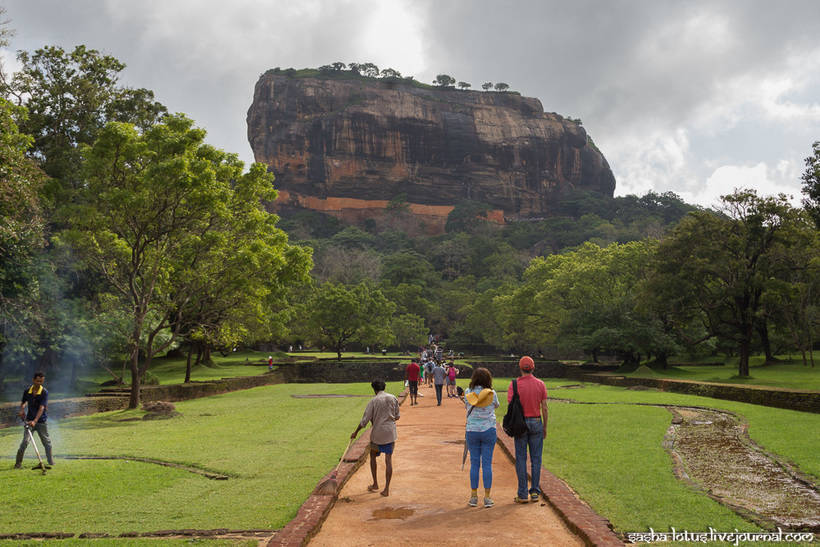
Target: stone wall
{"type": "Point", "coordinates": [64, 408]}
{"type": "Point", "coordinates": [117, 399]}
{"type": "Point", "coordinates": [345, 371]}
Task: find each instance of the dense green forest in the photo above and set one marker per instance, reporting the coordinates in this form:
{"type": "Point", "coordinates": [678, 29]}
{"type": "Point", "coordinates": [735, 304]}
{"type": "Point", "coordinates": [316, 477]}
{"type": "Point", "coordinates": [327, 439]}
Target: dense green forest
{"type": "Point", "coordinates": [125, 235]}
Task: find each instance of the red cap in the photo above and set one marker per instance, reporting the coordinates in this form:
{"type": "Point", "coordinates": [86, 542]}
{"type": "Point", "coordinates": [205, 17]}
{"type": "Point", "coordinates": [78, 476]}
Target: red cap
{"type": "Point", "coordinates": [526, 363]}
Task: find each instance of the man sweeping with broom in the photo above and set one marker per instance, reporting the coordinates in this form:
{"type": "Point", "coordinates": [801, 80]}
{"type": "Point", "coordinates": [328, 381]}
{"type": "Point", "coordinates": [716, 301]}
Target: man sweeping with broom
{"type": "Point", "coordinates": [383, 412]}
{"type": "Point", "coordinates": [36, 399]}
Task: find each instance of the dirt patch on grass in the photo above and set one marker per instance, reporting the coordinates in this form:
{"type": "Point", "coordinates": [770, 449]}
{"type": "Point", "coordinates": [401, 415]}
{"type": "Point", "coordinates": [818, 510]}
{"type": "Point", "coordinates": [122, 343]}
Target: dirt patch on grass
{"type": "Point", "coordinates": [712, 451]}
{"type": "Point", "coordinates": [206, 474]}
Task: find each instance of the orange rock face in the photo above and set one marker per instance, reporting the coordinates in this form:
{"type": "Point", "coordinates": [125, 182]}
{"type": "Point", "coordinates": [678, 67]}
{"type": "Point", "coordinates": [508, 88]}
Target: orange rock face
{"type": "Point", "coordinates": [349, 146]}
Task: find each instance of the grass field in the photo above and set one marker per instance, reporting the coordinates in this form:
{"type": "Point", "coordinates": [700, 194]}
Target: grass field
{"type": "Point", "coordinates": [785, 374]}
{"type": "Point", "coordinates": [274, 448]}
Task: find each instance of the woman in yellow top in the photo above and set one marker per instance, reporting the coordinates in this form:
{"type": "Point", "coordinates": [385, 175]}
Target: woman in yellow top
{"type": "Point", "coordinates": [481, 402]}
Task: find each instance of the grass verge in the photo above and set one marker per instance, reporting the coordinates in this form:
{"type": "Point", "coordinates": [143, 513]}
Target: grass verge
{"type": "Point", "coordinates": [789, 374]}
{"type": "Point", "coordinates": [612, 455]}
{"type": "Point", "coordinates": [274, 447]}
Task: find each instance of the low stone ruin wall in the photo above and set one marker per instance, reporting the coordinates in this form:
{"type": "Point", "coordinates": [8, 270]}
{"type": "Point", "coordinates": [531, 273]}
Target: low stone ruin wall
{"type": "Point", "coordinates": [117, 399]}
{"type": "Point", "coordinates": [64, 408]}
{"type": "Point", "coordinates": [334, 372]}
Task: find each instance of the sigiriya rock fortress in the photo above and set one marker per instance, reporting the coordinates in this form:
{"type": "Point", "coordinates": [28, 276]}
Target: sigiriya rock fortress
{"type": "Point", "coordinates": [348, 146]}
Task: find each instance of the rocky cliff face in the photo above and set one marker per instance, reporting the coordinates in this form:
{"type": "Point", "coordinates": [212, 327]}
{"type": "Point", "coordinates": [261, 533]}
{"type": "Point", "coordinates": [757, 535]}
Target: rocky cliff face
{"type": "Point", "coordinates": [349, 146]}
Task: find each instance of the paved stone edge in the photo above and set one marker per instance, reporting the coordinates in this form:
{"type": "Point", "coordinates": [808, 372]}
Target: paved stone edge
{"type": "Point", "coordinates": [578, 516]}
{"type": "Point", "coordinates": [312, 514]}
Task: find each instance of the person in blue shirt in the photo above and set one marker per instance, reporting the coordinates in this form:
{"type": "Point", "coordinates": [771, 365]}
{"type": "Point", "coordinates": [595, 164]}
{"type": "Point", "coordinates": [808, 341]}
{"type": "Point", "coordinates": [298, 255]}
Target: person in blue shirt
{"type": "Point", "coordinates": [33, 411]}
{"type": "Point", "coordinates": [481, 401]}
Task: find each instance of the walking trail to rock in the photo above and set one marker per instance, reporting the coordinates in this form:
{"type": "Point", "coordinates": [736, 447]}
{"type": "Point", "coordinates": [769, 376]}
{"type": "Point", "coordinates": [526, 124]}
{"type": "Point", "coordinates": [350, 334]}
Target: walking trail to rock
{"type": "Point", "coordinates": [429, 492]}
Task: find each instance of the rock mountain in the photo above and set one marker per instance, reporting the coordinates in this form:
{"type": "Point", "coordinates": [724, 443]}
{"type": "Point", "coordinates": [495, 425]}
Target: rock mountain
{"type": "Point", "coordinates": [361, 148]}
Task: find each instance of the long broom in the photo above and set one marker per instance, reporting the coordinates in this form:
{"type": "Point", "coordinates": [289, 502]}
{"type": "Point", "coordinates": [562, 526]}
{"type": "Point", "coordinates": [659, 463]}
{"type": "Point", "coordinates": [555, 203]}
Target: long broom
{"type": "Point", "coordinates": [331, 485]}
{"type": "Point", "coordinates": [41, 465]}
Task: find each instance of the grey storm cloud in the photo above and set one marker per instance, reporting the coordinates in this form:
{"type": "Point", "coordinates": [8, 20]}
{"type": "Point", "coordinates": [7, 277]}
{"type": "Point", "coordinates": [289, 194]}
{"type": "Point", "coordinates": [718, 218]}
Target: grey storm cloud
{"type": "Point", "coordinates": [693, 97]}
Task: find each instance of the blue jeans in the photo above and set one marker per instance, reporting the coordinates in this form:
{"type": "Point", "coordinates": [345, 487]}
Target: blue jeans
{"type": "Point", "coordinates": [534, 440]}
{"type": "Point", "coordinates": [438, 393]}
{"type": "Point", "coordinates": [481, 445]}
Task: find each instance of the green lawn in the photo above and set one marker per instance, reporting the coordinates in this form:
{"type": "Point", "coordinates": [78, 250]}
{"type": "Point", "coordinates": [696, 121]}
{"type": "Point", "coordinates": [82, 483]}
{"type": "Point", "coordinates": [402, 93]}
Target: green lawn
{"type": "Point", "coordinates": [789, 374]}
{"type": "Point", "coordinates": [274, 448]}
{"type": "Point", "coordinates": [613, 457]}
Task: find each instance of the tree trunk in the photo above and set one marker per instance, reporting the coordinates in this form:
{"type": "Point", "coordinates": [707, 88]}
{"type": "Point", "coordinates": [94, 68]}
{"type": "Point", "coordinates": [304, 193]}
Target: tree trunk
{"type": "Point", "coordinates": [662, 359]}
{"type": "Point", "coordinates": [743, 363]}
{"type": "Point", "coordinates": [134, 401]}
{"type": "Point", "coordinates": [763, 332]}
{"type": "Point", "coordinates": [206, 353]}
{"type": "Point", "coordinates": [198, 354]}
{"type": "Point", "coordinates": [188, 364]}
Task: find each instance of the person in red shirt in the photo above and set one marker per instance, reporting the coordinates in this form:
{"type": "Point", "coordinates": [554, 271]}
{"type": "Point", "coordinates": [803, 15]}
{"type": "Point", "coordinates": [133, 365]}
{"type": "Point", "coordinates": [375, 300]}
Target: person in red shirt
{"type": "Point", "coordinates": [413, 370]}
{"type": "Point", "coordinates": [533, 395]}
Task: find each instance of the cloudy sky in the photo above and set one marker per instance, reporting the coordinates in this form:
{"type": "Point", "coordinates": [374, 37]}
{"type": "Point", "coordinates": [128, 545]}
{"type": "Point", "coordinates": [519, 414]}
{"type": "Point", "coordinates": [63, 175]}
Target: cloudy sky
{"type": "Point", "coordinates": [694, 97]}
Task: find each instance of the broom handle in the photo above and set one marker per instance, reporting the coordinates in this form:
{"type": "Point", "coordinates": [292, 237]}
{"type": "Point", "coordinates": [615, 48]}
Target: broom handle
{"type": "Point", "coordinates": [343, 455]}
{"type": "Point", "coordinates": [36, 450]}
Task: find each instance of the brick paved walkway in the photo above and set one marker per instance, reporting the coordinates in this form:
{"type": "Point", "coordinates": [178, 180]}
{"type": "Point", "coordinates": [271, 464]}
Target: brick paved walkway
{"type": "Point", "coordinates": [429, 492]}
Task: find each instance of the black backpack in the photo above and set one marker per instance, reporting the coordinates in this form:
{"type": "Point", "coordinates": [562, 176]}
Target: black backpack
{"type": "Point", "coordinates": [514, 424]}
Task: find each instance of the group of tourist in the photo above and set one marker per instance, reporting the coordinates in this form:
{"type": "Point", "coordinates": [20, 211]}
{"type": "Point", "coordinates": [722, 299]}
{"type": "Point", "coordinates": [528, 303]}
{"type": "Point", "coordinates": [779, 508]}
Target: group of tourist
{"type": "Point", "coordinates": [480, 402]}
{"type": "Point", "coordinates": [432, 372]}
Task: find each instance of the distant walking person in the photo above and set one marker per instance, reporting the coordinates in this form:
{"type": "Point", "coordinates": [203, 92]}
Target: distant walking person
{"type": "Point", "coordinates": [383, 412]}
{"type": "Point", "coordinates": [481, 402]}
{"type": "Point", "coordinates": [533, 395]}
{"type": "Point", "coordinates": [439, 374]}
{"type": "Point", "coordinates": [452, 372]}
{"type": "Point", "coordinates": [413, 371]}
{"type": "Point", "coordinates": [33, 411]}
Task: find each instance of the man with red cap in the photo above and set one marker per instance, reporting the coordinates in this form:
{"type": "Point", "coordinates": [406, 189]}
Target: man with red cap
{"type": "Point", "coordinates": [533, 395]}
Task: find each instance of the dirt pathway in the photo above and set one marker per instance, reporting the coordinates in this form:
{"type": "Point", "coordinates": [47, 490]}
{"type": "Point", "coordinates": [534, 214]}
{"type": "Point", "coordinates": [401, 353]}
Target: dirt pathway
{"type": "Point", "coordinates": [429, 492]}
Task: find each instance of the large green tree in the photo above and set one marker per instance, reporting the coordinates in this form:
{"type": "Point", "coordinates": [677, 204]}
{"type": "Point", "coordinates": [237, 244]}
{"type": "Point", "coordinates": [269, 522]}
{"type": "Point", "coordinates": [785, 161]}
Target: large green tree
{"type": "Point", "coordinates": [22, 233]}
{"type": "Point", "coordinates": [811, 184]}
{"type": "Point", "coordinates": [337, 315]}
{"type": "Point", "coordinates": [721, 264]}
{"type": "Point", "coordinates": [409, 331]}
{"type": "Point", "coordinates": [585, 299]}
{"type": "Point", "coordinates": [159, 207]}
{"type": "Point", "coordinates": [70, 96]}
